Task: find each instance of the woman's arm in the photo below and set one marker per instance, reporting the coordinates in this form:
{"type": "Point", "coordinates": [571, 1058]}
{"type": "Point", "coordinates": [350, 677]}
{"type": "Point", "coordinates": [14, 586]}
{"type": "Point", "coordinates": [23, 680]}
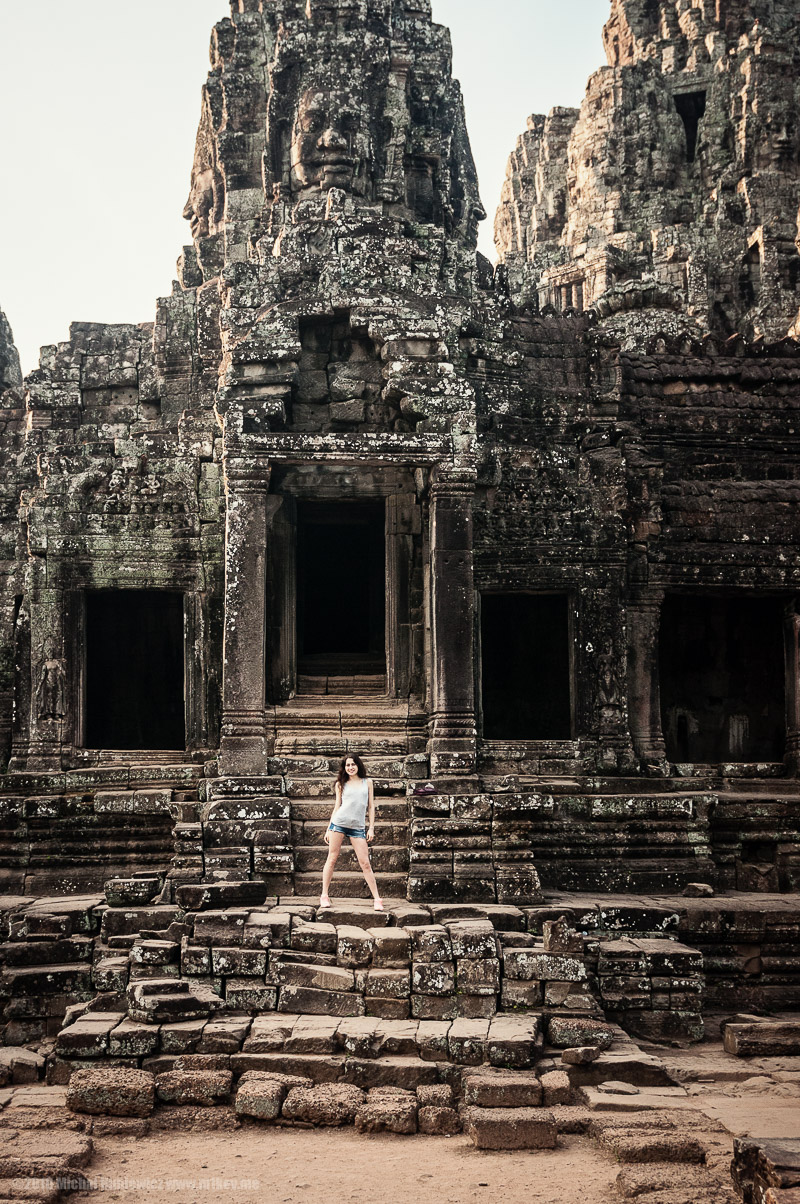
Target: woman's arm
{"type": "Point", "coordinates": [371, 829]}
{"type": "Point", "coordinates": [336, 805]}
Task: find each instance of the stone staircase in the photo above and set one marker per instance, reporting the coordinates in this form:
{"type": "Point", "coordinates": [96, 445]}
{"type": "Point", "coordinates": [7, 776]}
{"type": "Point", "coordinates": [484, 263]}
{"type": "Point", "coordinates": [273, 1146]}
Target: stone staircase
{"type": "Point", "coordinates": [68, 832]}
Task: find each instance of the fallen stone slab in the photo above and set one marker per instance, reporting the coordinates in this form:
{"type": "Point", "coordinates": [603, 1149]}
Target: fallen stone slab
{"type": "Point", "coordinates": [387, 1110]}
{"type": "Point", "coordinates": [763, 1039]}
{"type": "Point", "coordinates": [511, 1128]}
{"type": "Point", "coordinates": [696, 1183]}
{"type": "Point", "coordinates": [330, 1104]}
{"type": "Point", "coordinates": [493, 1088]}
{"type": "Point", "coordinates": [112, 1092]}
{"type": "Point", "coordinates": [655, 1146]}
{"type": "Point", "coordinates": [42, 1154]}
{"type": "Point", "coordinates": [581, 1055]}
{"type": "Point", "coordinates": [202, 1087]}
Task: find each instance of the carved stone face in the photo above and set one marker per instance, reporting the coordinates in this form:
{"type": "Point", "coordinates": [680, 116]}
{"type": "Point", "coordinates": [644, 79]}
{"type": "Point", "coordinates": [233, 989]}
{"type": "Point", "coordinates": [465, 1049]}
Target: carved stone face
{"type": "Point", "coordinates": [200, 204]}
{"type": "Point", "coordinates": [330, 144]}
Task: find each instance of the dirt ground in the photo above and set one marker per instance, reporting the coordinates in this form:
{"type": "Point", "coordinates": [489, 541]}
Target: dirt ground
{"type": "Point", "coordinates": [290, 1166]}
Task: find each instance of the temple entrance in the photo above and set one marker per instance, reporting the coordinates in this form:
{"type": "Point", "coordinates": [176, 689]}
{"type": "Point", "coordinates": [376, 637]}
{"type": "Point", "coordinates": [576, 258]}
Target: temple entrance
{"type": "Point", "coordinates": [341, 597]}
{"type": "Point", "coordinates": [722, 679]}
{"type": "Point", "coordinates": [134, 670]}
{"type": "Point", "coordinates": [526, 674]}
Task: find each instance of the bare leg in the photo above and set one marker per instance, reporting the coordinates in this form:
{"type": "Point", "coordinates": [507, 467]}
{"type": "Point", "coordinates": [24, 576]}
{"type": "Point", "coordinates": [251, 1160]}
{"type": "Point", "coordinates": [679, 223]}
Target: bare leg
{"type": "Point", "coordinates": [335, 840]}
{"type": "Point", "coordinates": [362, 853]}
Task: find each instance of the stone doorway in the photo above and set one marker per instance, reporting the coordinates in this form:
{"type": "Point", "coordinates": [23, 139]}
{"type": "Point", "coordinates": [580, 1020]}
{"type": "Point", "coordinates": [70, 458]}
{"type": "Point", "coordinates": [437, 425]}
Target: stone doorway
{"type": "Point", "coordinates": [723, 693]}
{"type": "Point", "coordinates": [341, 597]}
{"type": "Point", "coordinates": [526, 672]}
{"type": "Point", "coordinates": [134, 670]}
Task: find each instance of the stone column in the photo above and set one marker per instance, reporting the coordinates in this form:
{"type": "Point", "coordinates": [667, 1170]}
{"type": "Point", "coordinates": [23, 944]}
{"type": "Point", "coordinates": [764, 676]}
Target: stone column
{"type": "Point", "coordinates": [644, 693]}
{"type": "Point", "coordinates": [453, 743]}
{"type": "Point", "coordinates": [244, 746]}
{"type": "Point", "coordinates": [791, 631]}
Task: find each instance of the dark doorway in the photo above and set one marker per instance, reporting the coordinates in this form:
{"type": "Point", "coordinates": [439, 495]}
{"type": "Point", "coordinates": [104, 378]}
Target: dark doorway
{"type": "Point", "coordinates": [134, 670]}
{"type": "Point", "coordinates": [691, 108]}
{"type": "Point", "coordinates": [341, 589]}
{"type": "Point", "coordinates": [525, 650]}
{"type": "Point", "coordinates": [723, 679]}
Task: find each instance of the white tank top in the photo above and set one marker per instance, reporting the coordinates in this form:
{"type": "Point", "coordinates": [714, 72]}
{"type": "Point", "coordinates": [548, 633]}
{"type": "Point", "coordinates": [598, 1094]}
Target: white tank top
{"type": "Point", "coordinates": [352, 812]}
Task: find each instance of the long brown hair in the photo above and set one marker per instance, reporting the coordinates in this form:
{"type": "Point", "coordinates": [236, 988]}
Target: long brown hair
{"type": "Point", "coordinates": [342, 776]}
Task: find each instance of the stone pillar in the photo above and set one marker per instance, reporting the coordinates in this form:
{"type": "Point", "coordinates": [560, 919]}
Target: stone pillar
{"type": "Point", "coordinates": [644, 693]}
{"type": "Point", "coordinates": [453, 743]}
{"type": "Point", "coordinates": [791, 631]}
{"type": "Point", "coordinates": [244, 745]}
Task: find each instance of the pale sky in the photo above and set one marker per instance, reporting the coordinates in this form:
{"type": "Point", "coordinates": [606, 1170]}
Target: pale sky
{"type": "Point", "coordinates": [100, 103]}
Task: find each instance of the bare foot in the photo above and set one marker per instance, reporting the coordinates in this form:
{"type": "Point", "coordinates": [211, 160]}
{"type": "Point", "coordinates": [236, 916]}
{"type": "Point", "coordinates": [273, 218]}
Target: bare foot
{"type": "Point", "coordinates": [324, 902]}
{"type": "Point", "coordinates": [378, 906]}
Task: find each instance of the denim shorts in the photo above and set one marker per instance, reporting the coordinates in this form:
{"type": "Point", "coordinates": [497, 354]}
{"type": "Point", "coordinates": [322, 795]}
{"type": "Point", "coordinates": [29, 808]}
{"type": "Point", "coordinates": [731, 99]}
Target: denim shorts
{"type": "Point", "coordinates": [359, 833]}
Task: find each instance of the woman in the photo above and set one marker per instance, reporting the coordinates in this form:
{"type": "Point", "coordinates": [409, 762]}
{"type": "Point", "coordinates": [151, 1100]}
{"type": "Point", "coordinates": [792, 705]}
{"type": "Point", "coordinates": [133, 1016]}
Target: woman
{"type": "Point", "coordinates": [354, 796]}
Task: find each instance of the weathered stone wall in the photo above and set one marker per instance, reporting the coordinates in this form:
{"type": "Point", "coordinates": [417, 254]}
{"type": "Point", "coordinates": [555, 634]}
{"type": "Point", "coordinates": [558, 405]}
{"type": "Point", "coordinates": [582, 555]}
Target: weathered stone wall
{"type": "Point", "coordinates": [677, 179]}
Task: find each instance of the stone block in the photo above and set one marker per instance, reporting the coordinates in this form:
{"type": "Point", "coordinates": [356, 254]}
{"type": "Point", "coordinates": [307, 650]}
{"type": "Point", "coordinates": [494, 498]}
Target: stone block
{"type": "Point", "coordinates": [433, 978]}
{"type": "Point", "coordinates": [435, 1095]}
{"type": "Point", "coordinates": [268, 1034]}
{"type": "Point", "coordinates": [112, 1092]}
{"type": "Point", "coordinates": [513, 1041]}
{"type": "Point", "coordinates": [181, 1038]}
{"type": "Point", "coordinates": [567, 1032]}
{"type": "Point", "coordinates": [196, 960]}
{"type": "Point", "coordinates": [556, 1088]}
{"type": "Point", "coordinates": [319, 1003]}
{"type": "Point", "coordinates": [19, 1066]}
{"type": "Point", "coordinates": [473, 939]}
{"type": "Point", "coordinates": [353, 947]}
{"type": "Point", "coordinates": [511, 1128]}
{"type": "Point", "coordinates": [391, 948]}
{"type": "Point", "coordinates": [431, 943]}
{"type": "Point", "coordinates": [436, 1121]}
{"type": "Point", "coordinates": [250, 995]}
{"type": "Point", "coordinates": [325, 978]}
{"type": "Point", "coordinates": [224, 1035]}
{"type": "Point", "coordinates": [581, 1055]}
{"type": "Point", "coordinates": [432, 1040]}
{"type": "Point", "coordinates": [132, 1040]}
{"type": "Point", "coordinates": [387, 1009]}
{"type": "Point", "coordinates": [203, 1088]}
{"type": "Point", "coordinates": [534, 964]}
{"type": "Point", "coordinates": [520, 995]}
{"type": "Point", "coordinates": [762, 1039]}
{"type": "Point", "coordinates": [317, 938]}
{"type": "Point", "coordinates": [329, 1104]}
{"type": "Point", "coordinates": [656, 1146]}
{"type": "Point", "coordinates": [243, 963]}
{"type": "Point", "coordinates": [478, 976]}
{"type": "Point", "coordinates": [223, 928]}
{"type": "Point", "coordinates": [387, 1110]}
{"type": "Point", "coordinates": [467, 1041]}
{"type": "Point", "coordinates": [388, 984]}
{"type": "Point", "coordinates": [494, 1088]}
{"type": "Point", "coordinates": [261, 1100]}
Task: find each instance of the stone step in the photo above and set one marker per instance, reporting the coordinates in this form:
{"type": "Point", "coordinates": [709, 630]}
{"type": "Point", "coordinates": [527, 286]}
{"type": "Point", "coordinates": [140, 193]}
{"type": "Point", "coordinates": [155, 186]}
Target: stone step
{"type": "Point", "coordinates": [386, 859]}
{"type": "Point", "coordinates": [415, 766]}
{"type": "Point", "coordinates": [352, 885]}
{"type": "Point", "coordinates": [323, 787]}
{"type": "Point", "coordinates": [393, 811]}
{"type": "Point", "coordinates": [406, 1072]}
{"type": "Point", "coordinates": [62, 979]}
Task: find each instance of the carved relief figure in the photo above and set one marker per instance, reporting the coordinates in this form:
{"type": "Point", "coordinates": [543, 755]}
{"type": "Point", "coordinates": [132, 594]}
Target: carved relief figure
{"type": "Point", "coordinates": [50, 690]}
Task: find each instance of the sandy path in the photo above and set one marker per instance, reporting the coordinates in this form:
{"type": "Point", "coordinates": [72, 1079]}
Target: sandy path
{"type": "Point", "coordinates": [334, 1166]}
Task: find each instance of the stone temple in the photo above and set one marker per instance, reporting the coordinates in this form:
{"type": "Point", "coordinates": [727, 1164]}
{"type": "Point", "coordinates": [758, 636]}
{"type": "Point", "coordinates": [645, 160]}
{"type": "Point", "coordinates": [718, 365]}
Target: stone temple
{"type": "Point", "coordinates": [525, 537]}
